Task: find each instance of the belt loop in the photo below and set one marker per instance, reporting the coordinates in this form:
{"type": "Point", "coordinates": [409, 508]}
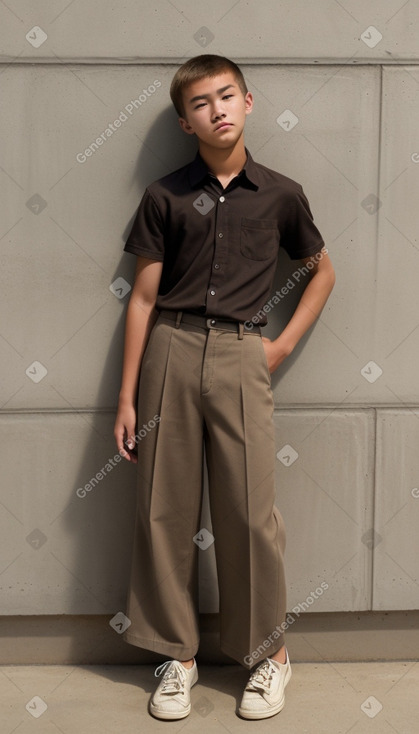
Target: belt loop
{"type": "Point", "coordinates": [241, 330]}
{"type": "Point", "coordinates": [178, 319]}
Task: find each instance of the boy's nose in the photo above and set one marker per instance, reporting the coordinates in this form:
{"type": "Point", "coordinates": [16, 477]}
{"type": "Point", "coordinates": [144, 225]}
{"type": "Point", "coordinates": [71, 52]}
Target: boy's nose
{"type": "Point", "coordinates": [217, 113]}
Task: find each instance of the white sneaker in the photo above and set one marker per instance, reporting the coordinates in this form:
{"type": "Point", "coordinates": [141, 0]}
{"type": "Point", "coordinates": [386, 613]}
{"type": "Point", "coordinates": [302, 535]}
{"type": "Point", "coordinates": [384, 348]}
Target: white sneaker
{"type": "Point", "coordinates": [171, 699]}
{"type": "Point", "coordinates": [264, 693]}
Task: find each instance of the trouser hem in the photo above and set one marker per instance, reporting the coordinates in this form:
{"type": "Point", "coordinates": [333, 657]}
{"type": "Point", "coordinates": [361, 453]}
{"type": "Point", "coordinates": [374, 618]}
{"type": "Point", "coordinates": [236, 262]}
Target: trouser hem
{"type": "Point", "coordinates": [247, 660]}
{"type": "Point", "coordinates": [163, 648]}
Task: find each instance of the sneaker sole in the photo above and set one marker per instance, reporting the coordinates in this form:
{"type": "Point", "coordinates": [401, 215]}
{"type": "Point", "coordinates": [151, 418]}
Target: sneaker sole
{"type": "Point", "coordinates": [168, 715]}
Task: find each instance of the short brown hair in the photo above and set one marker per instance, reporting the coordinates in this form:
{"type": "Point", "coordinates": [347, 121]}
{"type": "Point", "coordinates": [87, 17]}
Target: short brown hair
{"type": "Point", "coordinates": [199, 67]}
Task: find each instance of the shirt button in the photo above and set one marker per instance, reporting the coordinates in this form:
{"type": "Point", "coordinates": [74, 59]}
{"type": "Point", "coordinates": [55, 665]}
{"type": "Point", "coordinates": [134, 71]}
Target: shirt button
{"type": "Point", "coordinates": [213, 322]}
{"type": "Point", "coordinates": [222, 198]}
{"type": "Point", "coordinates": [216, 266]}
{"type": "Point", "coordinates": [220, 234]}
{"type": "Point", "coordinates": [212, 292]}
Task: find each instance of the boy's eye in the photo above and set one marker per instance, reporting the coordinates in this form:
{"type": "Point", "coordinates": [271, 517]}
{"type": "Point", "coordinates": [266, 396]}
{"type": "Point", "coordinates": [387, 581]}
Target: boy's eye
{"type": "Point", "coordinates": [202, 104]}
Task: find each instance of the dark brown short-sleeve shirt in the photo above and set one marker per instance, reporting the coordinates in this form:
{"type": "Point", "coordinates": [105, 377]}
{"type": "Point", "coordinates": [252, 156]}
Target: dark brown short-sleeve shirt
{"type": "Point", "coordinates": [219, 247]}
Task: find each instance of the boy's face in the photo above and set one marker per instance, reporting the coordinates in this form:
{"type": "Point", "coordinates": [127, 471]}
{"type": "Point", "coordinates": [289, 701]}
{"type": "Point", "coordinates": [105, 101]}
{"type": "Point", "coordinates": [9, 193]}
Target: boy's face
{"type": "Point", "coordinates": [215, 110]}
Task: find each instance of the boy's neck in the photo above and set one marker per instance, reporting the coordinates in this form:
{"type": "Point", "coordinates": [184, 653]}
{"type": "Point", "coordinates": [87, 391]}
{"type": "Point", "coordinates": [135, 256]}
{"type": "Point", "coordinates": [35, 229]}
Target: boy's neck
{"type": "Point", "coordinates": [224, 163]}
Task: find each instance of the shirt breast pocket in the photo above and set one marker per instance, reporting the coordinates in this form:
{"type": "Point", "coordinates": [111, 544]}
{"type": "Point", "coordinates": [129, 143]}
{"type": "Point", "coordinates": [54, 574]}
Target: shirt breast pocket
{"type": "Point", "coordinates": [259, 238]}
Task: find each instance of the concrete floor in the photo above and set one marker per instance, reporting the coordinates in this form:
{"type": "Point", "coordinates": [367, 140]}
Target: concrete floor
{"type": "Point", "coordinates": [321, 698]}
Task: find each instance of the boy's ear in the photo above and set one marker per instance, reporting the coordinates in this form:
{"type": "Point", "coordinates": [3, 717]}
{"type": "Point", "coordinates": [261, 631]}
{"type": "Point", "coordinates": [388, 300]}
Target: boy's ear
{"type": "Point", "coordinates": [185, 126]}
{"type": "Point", "coordinates": [248, 99]}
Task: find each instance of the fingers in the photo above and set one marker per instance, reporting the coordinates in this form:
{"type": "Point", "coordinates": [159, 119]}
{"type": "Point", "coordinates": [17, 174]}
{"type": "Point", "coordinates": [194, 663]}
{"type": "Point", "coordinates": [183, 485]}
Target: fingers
{"type": "Point", "coordinates": [130, 443]}
{"type": "Point", "coordinates": [119, 434]}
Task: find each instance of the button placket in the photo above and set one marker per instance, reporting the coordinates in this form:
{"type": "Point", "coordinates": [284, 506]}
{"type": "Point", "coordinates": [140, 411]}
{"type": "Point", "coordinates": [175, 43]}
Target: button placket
{"type": "Point", "coordinates": [220, 251]}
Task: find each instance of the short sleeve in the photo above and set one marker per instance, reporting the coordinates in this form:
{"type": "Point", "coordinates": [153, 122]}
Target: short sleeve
{"type": "Point", "coordinates": [147, 233]}
{"type": "Point", "coordinates": [301, 237]}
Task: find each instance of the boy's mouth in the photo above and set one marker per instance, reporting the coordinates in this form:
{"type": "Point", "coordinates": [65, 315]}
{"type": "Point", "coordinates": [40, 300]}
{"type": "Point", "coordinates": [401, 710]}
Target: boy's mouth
{"type": "Point", "coordinates": [223, 125]}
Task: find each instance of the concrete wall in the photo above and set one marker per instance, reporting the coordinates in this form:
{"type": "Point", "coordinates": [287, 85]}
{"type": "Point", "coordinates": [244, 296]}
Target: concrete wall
{"type": "Point", "coordinates": [346, 400]}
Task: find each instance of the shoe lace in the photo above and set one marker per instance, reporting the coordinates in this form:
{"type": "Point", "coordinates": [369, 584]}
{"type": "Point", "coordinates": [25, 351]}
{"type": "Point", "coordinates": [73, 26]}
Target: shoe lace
{"type": "Point", "coordinates": [262, 677]}
{"type": "Point", "coordinates": [174, 676]}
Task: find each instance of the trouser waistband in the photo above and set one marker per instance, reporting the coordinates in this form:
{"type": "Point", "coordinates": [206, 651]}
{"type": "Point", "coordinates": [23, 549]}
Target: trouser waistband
{"type": "Point", "coordinates": [209, 322]}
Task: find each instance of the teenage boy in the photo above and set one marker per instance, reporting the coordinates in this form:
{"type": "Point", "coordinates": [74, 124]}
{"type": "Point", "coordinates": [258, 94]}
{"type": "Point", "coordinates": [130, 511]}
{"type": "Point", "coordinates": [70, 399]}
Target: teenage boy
{"type": "Point", "coordinates": [206, 239]}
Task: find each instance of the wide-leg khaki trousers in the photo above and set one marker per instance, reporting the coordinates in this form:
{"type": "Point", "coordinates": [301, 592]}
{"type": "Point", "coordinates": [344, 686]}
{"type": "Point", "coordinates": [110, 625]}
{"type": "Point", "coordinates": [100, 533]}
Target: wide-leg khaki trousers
{"type": "Point", "coordinates": [209, 387]}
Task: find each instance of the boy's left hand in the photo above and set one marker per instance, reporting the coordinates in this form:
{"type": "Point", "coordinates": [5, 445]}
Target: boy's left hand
{"type": "Point", "coordinates": [276, 351]}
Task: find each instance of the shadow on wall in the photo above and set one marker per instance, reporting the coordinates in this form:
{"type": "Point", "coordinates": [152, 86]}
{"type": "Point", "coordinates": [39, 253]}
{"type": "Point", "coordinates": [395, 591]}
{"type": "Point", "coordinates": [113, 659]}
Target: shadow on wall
{"type": "Point", "coordinates": [99, 517]}
{"type": "Point", "coordinates": [100, 521]}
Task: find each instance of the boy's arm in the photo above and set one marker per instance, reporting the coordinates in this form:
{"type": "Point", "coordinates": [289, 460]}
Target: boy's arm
{"type": "Point", "coordinates": [308, 309]}
{"type": "Point", "coordinates": [140, 319]}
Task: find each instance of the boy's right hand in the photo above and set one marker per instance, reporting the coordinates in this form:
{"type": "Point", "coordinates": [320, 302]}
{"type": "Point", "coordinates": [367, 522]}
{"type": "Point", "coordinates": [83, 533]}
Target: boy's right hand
{"type": "Point", "coordinates": [124, 431]}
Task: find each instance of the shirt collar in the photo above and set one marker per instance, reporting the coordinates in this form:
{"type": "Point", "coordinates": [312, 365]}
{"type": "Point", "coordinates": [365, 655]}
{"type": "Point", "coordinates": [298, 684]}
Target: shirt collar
{"type": "Point", "coordinates": [198, 170]}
